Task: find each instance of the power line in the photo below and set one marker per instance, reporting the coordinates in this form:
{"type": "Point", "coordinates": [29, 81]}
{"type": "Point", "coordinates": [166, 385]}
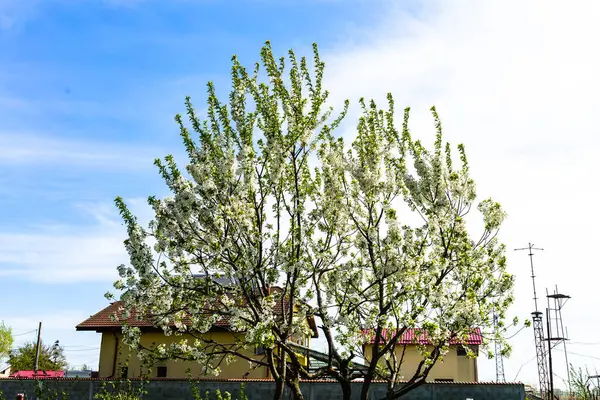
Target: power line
{"type": "Point", "coordinates": [25, 333]}
{"type": "Point", "coordinates": [586, 343]}
{"type": "Point", "coordinates": [583, 355]}
{"type": "Point", "coordinates": [560, 377]}
{"type": "Point", "coordinates": [522, 365]}
{"type": "Point", "coordinates": [516, 333]}
{"type": "Point", "coordinates": [90, 349]}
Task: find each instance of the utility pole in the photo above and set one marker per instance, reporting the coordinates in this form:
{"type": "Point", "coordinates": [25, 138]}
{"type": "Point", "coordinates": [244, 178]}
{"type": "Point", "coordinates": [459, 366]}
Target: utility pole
{"type": "Point", "coordinates": [559, 300]}
{"type": "Point", "coordinates": [551, 388]}
{"type": "Point", "coordinates": [538, 330]}
{"type": "Point", "coordinates": [37, 350]}
{"type": "Point", "coordinates": [561, 330]}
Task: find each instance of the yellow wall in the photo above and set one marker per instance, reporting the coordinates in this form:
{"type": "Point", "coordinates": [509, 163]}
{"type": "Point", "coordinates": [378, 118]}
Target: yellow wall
{"type": "Point", "coordinates": [453, 366]}
{"type": "Point", "coordinates": [239, 368]}
{"type": "Point", "coordinates": [175, 369]}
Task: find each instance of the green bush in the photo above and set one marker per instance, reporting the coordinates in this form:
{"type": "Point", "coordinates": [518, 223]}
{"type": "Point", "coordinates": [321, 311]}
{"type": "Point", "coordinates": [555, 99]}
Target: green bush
{"type": "Point", "coordinates": [220, 396]}
{"type": "Point", "coordinates": [43, 392]}
{"type": "Point", "coordinates": [121, 391]}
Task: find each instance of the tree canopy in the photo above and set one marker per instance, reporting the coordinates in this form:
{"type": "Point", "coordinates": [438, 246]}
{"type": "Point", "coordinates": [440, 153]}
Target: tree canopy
{"type": "Point", "coordinates": [6, 340]}
{"type": "Point", "coordinates": [368, 235]}
{"type": "Point", "coordinates": [51, 358]}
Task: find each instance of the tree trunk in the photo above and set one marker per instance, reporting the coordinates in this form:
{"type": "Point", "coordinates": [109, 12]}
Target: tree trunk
{"type": "Point", "coordinates": [346, 389]}
{"type": "Point", "coordinates": [396, 394]}
{"type": "Point", "coordinates": [279, 387]}
{"type": "Point", "coordinates": [280, 377]}
{"type": "Point", "coordinates": [390, 389]}
{"type": "Point", "coordinates": [390, 394]}
{"type": "Point", "coordinates": [295, 386]}
{"type": "Point", "coordinates": [364, 393]}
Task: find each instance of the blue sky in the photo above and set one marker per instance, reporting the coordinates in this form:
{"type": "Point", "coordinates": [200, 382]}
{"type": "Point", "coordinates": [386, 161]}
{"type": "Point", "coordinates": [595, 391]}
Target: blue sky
{"type": "Point", "coordinates": [88, 91]}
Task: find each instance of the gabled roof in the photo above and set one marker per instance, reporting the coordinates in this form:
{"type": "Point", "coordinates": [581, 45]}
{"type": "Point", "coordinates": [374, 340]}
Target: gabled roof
{"type": "Point", "coordinates": [411, 336]}
{"type": "Point", "coordinates": [103, 321]}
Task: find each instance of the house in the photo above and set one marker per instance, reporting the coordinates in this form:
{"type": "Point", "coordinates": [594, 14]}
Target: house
{"type": "Point", "coordinates": [78, 374]}
{"type": "Point", "coordinates": [116, 359]}
{"type": "Point", "coordinates": [318, 360]}
{"type": "Point", "coordinates": [455, 367]}
{"type": "Point", "coordinates": [38, 374]}
{"type": "Point", "coordinates": [4, 370]}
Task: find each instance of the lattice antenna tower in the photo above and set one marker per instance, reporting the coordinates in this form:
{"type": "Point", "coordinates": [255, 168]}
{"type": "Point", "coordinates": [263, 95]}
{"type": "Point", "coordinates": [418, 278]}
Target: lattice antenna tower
{"type": "Point", "coordinates": [538, 331]}
{"type": "Point", "coordinates": [498, 352]}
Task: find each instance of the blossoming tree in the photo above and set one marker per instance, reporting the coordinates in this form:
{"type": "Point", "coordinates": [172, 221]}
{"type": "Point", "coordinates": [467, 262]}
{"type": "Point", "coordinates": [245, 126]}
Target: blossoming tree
{"type": "Point", "coordinates": [431, 276]}
{"type": "Point", "coordinates": [271, 197]}
{"type": "Point", "coordinates": [240, 215]}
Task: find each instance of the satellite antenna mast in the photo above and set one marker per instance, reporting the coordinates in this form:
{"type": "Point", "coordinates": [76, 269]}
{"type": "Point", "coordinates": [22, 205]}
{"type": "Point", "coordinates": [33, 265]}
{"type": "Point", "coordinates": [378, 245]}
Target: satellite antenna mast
{"type": "Point", "coordinates": [538, 331]}
{"type": "Point", "coordinates": [559, 300]}
{"type": "Point", "coordinates": [565, 334]}
{"type": "Point", "coordinates": [498, 353]}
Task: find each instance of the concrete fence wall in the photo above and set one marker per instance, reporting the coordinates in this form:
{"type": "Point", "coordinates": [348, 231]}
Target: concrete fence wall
{"type": "Point", "coordinates": [86, 389]}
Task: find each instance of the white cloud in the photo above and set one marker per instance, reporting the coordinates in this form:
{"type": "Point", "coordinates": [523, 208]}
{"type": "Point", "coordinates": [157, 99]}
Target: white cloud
{"type": "Point", "coordinates": [35, 149]}
{"type": "Point", "coordinates": [516, 81]}
{"type": "Point", "coordinates": [53, 258]}
{"type": "Point", "coordinates": [59, 254]}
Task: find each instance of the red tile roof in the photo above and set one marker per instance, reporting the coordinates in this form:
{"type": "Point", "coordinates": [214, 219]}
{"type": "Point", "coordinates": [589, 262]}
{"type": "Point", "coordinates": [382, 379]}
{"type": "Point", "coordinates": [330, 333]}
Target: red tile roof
{"type": "Point", "coordinates": [103, 320]}
{"type": "Point", "coordinates": [410, 337]}
{"type": "Point", "coordinates": [42, 374]}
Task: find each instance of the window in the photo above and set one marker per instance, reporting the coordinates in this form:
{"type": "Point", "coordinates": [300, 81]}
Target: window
{"type": "Point", "coordinates": [259, 350]}
{"type": "Point", "coordinates": [444, 380]}
{"type": "Point", "coordinates": [124, 372]}
{"type": "Point", "coordinates": [461, 351]}
{"type": "Point", "coordinates": [161, 372]}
